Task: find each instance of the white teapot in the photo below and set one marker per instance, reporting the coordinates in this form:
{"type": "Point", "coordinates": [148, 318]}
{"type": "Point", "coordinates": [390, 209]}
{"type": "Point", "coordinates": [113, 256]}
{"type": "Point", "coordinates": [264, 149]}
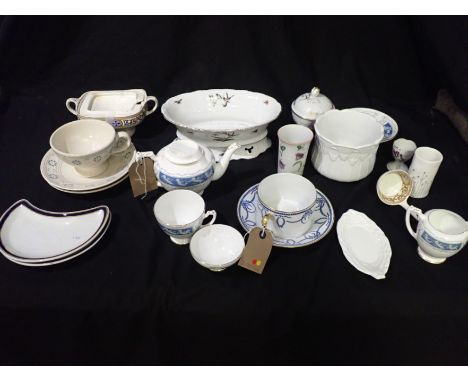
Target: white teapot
{"type": "Point", "coordinates": [185, 164]}
{"type": "Point", "coordinates": [440, 233]}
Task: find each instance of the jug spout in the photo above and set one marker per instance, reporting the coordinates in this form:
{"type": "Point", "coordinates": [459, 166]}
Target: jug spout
{"type": "Point", "coordinates": [222, 165]}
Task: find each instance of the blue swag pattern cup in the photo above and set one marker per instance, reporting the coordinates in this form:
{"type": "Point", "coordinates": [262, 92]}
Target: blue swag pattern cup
{"type": "Point", "coordinates": [180, 213]}
{"type": "Point", "coordinates": [286, 202]}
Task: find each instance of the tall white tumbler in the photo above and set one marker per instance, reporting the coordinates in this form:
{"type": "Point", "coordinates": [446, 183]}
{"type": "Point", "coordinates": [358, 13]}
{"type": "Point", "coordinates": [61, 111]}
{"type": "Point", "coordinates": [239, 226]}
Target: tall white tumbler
{"type": "Point", "coordinates": [423, 169]}
{"type": "Point", "coordinates": [293, 146]}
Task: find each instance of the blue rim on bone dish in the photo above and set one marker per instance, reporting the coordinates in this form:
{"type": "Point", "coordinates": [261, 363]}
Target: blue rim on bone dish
{"type": "Point", "coordinates": [250, 212]}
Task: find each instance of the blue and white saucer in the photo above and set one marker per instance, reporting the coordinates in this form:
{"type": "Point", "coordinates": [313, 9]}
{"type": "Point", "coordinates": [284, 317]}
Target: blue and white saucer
{"type": "Point", "coordinates": [388, 123]}
{"type": "Point", "coordinates": [250, 216]}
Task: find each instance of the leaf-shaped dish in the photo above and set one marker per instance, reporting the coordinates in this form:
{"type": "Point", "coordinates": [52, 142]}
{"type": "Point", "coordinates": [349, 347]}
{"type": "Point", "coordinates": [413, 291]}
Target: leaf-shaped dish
{"type": "Point", "coordinates": [30, 234]}
{"type": "Point", "coordinates": [364, 244]}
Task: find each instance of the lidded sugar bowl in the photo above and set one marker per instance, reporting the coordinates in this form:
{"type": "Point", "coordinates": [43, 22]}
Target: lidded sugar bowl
{"type": "Point", "coordinates": [185, 164]}
{"type": "Point", "coordinates": [309, 106]}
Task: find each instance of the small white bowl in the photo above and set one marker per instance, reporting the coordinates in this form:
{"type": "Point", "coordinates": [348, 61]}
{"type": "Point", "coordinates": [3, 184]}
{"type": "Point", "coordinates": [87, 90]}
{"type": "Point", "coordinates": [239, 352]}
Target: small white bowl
{"type": "Point", "coordinates": [217, 247]}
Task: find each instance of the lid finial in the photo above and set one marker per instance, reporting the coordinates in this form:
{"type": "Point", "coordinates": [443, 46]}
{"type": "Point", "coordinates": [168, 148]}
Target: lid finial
{"type": "Point", "coordinates": [315, 91]}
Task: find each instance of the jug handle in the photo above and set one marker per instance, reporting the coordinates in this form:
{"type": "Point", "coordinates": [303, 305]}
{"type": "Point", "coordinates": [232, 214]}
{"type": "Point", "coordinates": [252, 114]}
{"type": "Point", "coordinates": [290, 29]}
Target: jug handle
{"type": "Point", "coordinates": [416, 213]}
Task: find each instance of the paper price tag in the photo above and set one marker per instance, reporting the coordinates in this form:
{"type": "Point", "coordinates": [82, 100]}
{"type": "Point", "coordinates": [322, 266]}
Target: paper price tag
{"type": "Point", "coordinates": [256, 252]}
{"type": "Point", "coordinates": [142, 177]}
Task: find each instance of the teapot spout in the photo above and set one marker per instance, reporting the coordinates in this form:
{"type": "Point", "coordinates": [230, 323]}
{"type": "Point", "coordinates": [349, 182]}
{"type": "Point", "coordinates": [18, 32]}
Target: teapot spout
{"type": "Point", "coordinates": [222, 165]}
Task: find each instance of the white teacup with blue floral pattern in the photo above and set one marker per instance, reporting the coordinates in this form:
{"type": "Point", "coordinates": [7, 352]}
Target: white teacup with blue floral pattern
{"type": "Point", "coordinates": [286, 202]}
{"type": "Point", "coordinates": [180, 213]}
{"type": "Point", "coordinates": [87, 145]}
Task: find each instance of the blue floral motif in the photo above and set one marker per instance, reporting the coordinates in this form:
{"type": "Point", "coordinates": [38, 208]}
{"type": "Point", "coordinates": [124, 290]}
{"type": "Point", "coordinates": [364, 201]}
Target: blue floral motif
{"type": "Point", "coordinates": [76, 162]}
{"type": "Point", "coordinates": [177, 231]}
{"type": "Point", "coordinates": [186, 181]}
{"type": "Point", "coordinates": [388, 130]}
{"type": "Point", "coordinates": [250, 212]}
{"type": "Point", "coordinates": [52, 162]}
{"type": "Point", "coordinates": [97, 159]}
{"type": "Point", "coordinates": [440, 244]}
{"type": "Point", "coordinates": [116, 123]}
{"type": "Point", "coordinates": [280, 221]}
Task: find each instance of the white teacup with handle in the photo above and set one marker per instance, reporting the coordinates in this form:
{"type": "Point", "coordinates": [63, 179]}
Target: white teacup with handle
{"type": "Point", "coordinates": [180, 213]}
{"type": "Point", "coordinates": [87, 145]}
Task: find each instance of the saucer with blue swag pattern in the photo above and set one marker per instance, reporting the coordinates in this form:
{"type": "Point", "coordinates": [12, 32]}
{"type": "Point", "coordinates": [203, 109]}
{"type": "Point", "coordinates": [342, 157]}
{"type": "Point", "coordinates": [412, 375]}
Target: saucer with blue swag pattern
{"type": "Point", "coordinates": [249, 213]}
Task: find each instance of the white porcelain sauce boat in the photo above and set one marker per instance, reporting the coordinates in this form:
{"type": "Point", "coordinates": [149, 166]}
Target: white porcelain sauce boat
{"type": "Point", "coordinates": [440, 233]}
{"type": "Point", "coordinates": [184, 164]}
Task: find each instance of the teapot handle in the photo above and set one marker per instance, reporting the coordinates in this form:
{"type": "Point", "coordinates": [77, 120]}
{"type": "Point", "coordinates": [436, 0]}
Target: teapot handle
{"type": "Point", "coordinates": [416, 214]}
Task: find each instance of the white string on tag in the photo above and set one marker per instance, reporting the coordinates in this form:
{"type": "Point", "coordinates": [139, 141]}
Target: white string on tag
{"type": "Point", "coordinates": [139, 160]}
{"type": "Point", "coordinates": [142, 181]}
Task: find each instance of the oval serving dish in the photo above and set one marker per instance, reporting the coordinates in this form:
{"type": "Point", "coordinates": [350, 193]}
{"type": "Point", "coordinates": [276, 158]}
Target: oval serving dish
{"type": "Point", "coordinates": [219, 117]}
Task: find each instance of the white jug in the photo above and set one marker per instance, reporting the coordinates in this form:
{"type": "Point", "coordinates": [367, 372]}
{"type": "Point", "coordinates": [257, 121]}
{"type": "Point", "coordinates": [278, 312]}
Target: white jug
{"type": "Point", "coordinates": [440, 233]}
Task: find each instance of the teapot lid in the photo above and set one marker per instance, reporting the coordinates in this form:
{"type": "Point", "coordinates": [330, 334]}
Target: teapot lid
{"type": "Point", "coordinates": [311, 105]}
{"type": "Point", "coordinates": [183, 151]}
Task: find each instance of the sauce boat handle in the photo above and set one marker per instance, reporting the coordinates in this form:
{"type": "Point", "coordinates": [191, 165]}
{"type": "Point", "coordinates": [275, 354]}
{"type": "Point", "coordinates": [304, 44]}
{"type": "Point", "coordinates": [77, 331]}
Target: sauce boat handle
{"type": "Point", "coordinates": [68, 104]}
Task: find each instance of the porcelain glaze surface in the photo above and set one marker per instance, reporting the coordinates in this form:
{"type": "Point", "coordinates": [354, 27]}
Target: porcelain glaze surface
{"type": "Point", "coordinates": [394, 187]}
{"type": "Point", "coordinates": [219, 117]}
{"type": "Point", "coordinates": [217, 247]}
{"type": "Point", "coordinates": [423, 169]}
{"type": "Point", "coordinates": [246, 151]}
{"type": "Point", "coordinates": [364, 244]}
{"type": "Point", "coordinates": [63, 177]}
{"type": "Point", "coordinates": [66, 258]}
{"type": "Point", "coordinates": [293, 147]}
{"type": "Point", "coordinates": [402, 150]}
{"type": "Point", "coordinates": [309, 106]}
{"type": "Point", "coordinates": [180, 213]}
{"type": "Point", "coordinates": [346, 145]}
{"type": "Point", "coordinates": [440, 233]}
{"type": "Point", "coordinates": [87, 145]}
{"type": "Point", "coordinates": [184, 164]}
{"type": "Point", "coordinates": [123, 109]}
{"type": "Point", "coordinates": [287, 201]}
{"type": "Point", "coordinates": [388, 123]}
{"type": "Point", "coordinates": [250, 213]}
{"type": "Point", "coordinates": [32, 235]}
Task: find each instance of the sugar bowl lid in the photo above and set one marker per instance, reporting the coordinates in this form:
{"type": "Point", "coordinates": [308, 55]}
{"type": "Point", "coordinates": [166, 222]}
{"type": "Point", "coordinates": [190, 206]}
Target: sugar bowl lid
{"type": "Point", "coordinates": [311, 105]}
{"type": "Point", "coordinates": [183, 151]}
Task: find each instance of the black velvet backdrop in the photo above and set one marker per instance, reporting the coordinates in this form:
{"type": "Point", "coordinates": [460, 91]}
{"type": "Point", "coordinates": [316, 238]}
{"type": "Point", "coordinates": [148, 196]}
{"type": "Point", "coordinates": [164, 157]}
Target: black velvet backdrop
{"type": "Point", "coordinates": [136, 298]}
